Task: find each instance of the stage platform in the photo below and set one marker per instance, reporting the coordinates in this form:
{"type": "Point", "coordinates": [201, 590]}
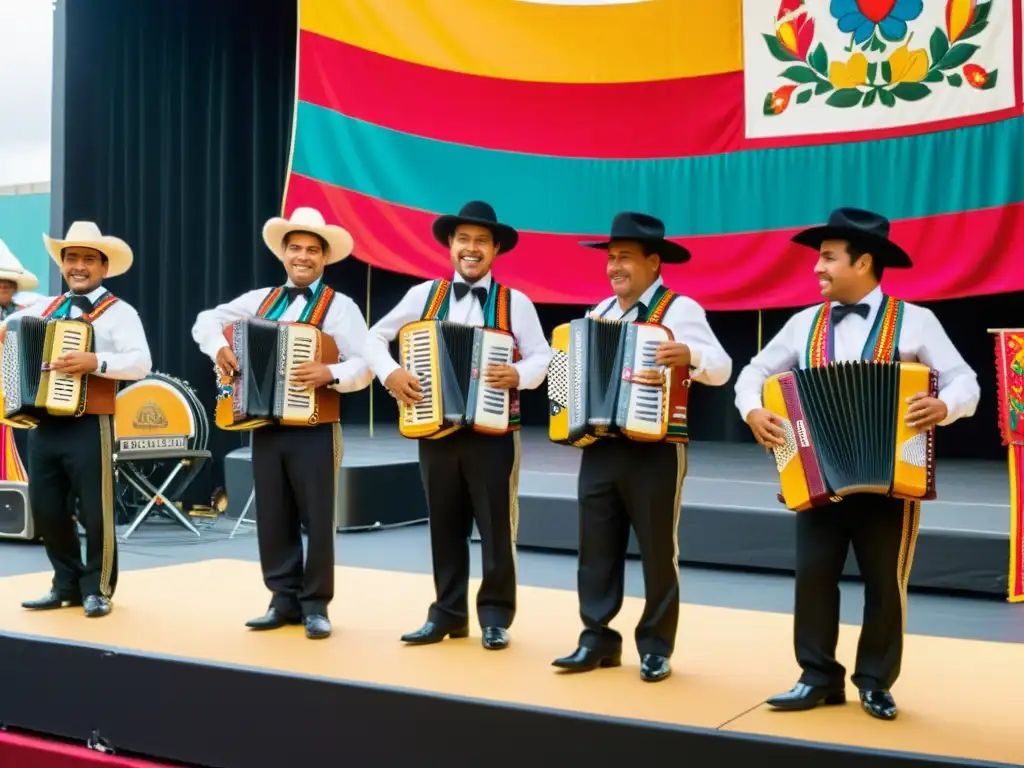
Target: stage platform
{"type": "Point", "coordinates": [173, 674]}
{"type": "Point", "coordinates": [730, 518]}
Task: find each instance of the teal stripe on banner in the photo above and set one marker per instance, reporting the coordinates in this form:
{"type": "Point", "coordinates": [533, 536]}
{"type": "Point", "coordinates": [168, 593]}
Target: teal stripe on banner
{"type": "Point", "coordinates": [750, 191]}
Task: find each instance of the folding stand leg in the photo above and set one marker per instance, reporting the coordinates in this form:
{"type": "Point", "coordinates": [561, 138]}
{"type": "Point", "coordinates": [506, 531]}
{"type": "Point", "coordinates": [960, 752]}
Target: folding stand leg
{"type": "Point", "coordinates": [154, 494]}
{"type": "Point", "coordinates": [245, 511]}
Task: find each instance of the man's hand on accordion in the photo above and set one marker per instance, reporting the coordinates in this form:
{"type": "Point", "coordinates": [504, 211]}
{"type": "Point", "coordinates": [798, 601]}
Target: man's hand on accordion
{"type": "Point", "coordinates": [311, 375]}
{"type": "Point", "coordinates": [924, 411]}
{"type": "Point", "coordinates": [403, 386]}
{"type": "Point", "coordinates": [501, 376]}
{"type": "Point", "coordinates": [765, 426]}
{"type": "Point", "coordinates": [649, 377]}
{"type": "Point", "coordinates": [673, 354]}
{"type": "Point", "coordinates": [76, 363]}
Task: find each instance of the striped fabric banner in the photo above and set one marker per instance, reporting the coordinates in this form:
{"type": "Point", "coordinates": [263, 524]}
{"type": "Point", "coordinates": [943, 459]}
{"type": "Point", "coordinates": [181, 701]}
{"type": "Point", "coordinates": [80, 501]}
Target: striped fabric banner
{"type": "Point", "coordinates": [561, 113]}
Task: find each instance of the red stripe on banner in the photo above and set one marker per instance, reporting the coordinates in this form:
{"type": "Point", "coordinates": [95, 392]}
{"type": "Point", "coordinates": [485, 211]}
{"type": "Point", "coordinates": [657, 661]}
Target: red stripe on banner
{"type": "Point", "coordinates": [666, 118]}
{"type": "Point", "coordinates": [956, 255]}
{"type": "Point", "coordinates": [17, 750]}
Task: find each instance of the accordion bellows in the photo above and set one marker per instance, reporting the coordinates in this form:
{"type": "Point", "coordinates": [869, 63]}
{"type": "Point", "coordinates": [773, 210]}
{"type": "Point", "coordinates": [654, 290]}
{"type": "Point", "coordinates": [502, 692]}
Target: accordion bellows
{"type": "Point", "coordinates": [846, 432]}
{"type": "Point", "coordinates": [590, 389]}
{"type": "Point", "coordinates": [449, 359]}
{"type": "Point", "coordinates": [261, 392]}
{"type": "Point", "coordinates": [31, 389]}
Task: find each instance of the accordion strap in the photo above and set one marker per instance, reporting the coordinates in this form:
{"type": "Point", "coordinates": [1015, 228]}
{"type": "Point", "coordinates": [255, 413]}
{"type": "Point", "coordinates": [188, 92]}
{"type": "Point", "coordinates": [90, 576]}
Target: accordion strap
{"type": "Point", "coordinates": [881, 345]}
{"type": "Point", "coordinates": [276, 302]}
{"type": "Point", "coordinates": [62, 304]}
{"type": "Point", "coordinates": [660, 302]}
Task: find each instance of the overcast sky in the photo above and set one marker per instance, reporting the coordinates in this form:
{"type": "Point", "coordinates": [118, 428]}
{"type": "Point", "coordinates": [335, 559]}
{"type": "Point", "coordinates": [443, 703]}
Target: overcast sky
{"type": "Point", "coordinates": [26, 71]}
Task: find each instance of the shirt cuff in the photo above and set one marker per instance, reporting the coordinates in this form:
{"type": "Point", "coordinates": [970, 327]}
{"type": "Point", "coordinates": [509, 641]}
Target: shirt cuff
{"type": "Point", "coordinates": [102, 364]}
{"type": "Point", "coordinates": [387, 370]}
{"type": "Point", "coordinates": [746, 403]}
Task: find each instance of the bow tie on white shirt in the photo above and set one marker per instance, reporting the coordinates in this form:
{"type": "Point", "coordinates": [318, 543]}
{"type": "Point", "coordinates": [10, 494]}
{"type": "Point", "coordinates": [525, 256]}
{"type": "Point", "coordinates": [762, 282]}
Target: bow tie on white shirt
{"type": "Point", "coordinates": [461, 289]}
{"type": "Point", "coordinates": [842, 310]}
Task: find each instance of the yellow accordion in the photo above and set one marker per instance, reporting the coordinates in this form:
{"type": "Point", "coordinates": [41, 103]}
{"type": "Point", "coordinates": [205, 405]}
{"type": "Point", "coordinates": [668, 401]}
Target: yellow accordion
{"type": "Point", "coordinates": [846, 432]}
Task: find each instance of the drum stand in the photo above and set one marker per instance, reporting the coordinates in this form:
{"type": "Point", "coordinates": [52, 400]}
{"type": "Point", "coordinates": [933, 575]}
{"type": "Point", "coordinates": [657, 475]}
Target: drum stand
{"type": "Point", "coordinates": [242, 517]}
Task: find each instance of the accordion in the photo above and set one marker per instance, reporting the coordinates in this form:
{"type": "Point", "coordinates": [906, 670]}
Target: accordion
{"type": "Point", "coordinates": [261, 392]}
{"type": "Point", "coordinates": [31, 389]}
{"type": "Point", "coordinates": [592, 395]}
{"type": "Point", "coordinates": [846, 433]}
{"type": "Point", "coordinates": [449, 359]}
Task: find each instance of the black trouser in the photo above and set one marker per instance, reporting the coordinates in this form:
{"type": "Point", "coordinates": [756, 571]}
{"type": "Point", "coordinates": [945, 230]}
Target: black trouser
{"type": "Point", "coordinates": [295, 473]}
{"type": "Point", "coordinates": [70, 472]}
{"type": "Point", "coordinates": [883, 532]}
{"type": "Point", "coordinates": [626, 483]}
{"type": "Point", "coordinates": [470, 476]}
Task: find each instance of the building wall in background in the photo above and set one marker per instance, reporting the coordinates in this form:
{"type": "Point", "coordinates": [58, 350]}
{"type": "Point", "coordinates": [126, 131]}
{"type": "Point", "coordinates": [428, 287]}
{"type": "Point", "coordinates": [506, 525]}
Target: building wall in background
{"type": "Point", "coordinates": [24, 217]}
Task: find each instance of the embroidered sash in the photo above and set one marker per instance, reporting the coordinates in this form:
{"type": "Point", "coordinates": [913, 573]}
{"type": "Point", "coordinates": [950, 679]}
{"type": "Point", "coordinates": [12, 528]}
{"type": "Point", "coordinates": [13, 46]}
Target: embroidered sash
{"type": "Point", "coordinates": [60, 307]}
{"type": "Point", "coordinates": [314, 313]}
{"type": "Point", "coordinates": [497, 311]}
{"type": "Point", "coordinates": [881, 346]}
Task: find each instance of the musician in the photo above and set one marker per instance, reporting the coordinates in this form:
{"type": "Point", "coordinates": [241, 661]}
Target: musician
{"type": "Point", "coordinates": [625, 483]}
{"type": "Point", "coordinates": [854, 250]}
{"type": "Point", "coordinates": [467, 475]}
{"type": "Point", "coordinates": [295, 469]}
{"type": "Point", "coordinates": [71, 457]}
{"type": "Point", "coordinates": [14, 280]}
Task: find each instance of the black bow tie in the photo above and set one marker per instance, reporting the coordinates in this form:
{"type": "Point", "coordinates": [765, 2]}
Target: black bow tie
{"type": "Point", "coordinates": [842, 310]}
{"type": "Point", "coordinates": [293, 292]}
{"type": "Point", "coordinates": [82, 302]}
{"type": "Point", "coordinates": [461, 289]}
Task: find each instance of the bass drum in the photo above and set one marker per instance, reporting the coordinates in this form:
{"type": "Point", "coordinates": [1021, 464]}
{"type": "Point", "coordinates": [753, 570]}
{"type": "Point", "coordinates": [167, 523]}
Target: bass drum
{"type": "Point", "coordinates": [160, 406]}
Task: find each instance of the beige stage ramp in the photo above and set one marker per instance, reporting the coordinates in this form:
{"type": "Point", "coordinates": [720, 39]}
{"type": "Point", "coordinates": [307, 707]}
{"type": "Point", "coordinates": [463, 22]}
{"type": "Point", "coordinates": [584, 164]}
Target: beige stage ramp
{"type": "Point", "coordinates": [958, 698]}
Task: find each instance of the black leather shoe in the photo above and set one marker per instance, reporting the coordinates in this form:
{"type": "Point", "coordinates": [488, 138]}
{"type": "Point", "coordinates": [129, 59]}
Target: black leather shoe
{"type": "Point", "coordinates": [495, 638]}
{"type": "Point", "coordinates": [586, 659]}
{"type": "Point", "coordinates": [51, 601]}
{"type": "Point", "coordinates": [654, 667]}
{"type": "Point", "coordinates": [272, 619]}
{"type": "Point", "coordinates": [804, 696]}
{"type": "Point", "coordinates": [879, 704]}
{"type": "Point", "coordinates": [318, 626]}
{"type": "Point", "coordinates": [432, 632]}
{"type": "Point", "coordinates": [96, 606]}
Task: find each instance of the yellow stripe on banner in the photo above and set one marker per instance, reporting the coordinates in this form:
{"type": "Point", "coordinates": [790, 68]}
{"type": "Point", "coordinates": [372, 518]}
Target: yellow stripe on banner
{"type": "Point", "coordinates": [542, 42]}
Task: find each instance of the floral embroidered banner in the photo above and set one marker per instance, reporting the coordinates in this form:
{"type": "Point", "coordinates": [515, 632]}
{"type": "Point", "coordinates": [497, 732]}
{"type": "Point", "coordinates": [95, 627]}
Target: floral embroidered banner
{"type": "Point", "coordinates": [827, 66]}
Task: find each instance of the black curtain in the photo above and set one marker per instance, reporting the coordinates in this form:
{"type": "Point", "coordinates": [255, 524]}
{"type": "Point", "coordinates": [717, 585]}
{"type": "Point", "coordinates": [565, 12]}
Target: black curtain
{"type": "Point", "coordinates": [176, 131]}
{"type": "Point", "coordinates": [177, 127]}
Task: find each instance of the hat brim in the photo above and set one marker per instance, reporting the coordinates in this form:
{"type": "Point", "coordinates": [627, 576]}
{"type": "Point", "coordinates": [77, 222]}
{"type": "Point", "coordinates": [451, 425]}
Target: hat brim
{"type": "Point", "coordinates": [668, 252]}
{"type": "Point", "coordinates": [339, 241]}
{"type": "Point", "coordinates": [118, 252]}
{"type": "Point", "coordinates": [504, 235]}
{"type": "Point", "coordinates": [25, 281]}
{"type": "Point", "coordinates": [884, 250]}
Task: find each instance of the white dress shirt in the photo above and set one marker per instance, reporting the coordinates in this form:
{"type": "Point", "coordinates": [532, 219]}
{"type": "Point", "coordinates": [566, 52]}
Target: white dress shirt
{"type": "Point", "coordinates": [119, 338]}
{"type": "Point", "coordinates": [343, 322]}
{"type": "Point", "coordinates": [534, 350]}
{"type": "Point", "coordinates": [922, 339]}
{"type": "Point", "coordinates": [709, 362]}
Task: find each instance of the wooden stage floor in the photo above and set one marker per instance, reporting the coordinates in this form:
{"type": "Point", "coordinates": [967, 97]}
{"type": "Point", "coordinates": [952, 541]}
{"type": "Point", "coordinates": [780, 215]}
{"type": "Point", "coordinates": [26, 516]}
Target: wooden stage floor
{"type": "Point", "coordinates": [961, 699]}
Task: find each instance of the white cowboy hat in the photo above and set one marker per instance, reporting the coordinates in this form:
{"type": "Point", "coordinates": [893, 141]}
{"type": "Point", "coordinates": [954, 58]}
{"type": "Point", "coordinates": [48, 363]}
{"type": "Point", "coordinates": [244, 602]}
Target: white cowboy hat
{"type": "Point", "coordinates": [85, 234]}
{"type": "Point", "coordinates": [339, 241]}
{"type": "Point", "coordinates": [11, 269]}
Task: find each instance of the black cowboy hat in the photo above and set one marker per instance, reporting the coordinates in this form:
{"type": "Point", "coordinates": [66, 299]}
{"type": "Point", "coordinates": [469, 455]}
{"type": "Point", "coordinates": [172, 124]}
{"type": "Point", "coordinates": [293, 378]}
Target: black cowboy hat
{"type": "Point", "coordinates": [864, 229]}
{"type": "Point", "coordinates": [647, 230]}
{"type": "Point", "coordinates": [482, 215]}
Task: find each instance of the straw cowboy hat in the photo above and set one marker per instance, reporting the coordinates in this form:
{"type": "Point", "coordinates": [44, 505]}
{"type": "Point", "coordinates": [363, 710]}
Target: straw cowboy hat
{"type": "Point", "coordinates": [11, 269]}
{"type": "Point", "coordinates": [85, 234]}
{"type": "Point", "coordinates": [869, 231]}
{"type": "Point", "coordinates": [339, 241]}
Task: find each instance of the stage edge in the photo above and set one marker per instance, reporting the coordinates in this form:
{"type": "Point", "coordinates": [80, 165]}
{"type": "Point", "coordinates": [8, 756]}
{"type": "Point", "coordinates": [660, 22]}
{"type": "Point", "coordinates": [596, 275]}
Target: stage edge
{"type": "Point", "coordinates": [219, 715]}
